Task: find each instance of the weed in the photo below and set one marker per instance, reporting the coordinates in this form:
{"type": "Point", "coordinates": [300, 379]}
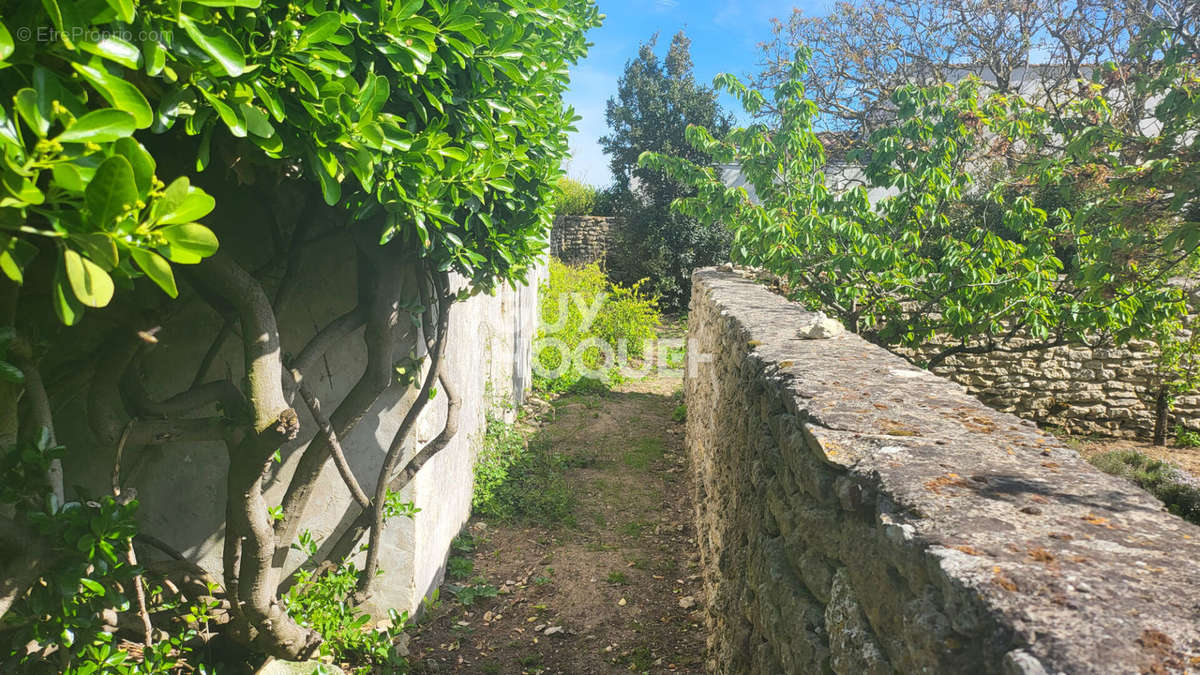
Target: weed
{"type": "Point", "coordinates": [1179, 491]}
{"type": "Point", "coordinates": [463, 543]}
{"type": "Point", "coordinates": [1186, 438]}
{"type": "Point", "coordinates": [634, 528]}
{"type": "Point", "coordinates": [618, 578]}
{"type": "Point", "coordinates": [679, 414]}
{"type": "Point", "coordinates": [643, 453]}
{"type": "Point", "coordinates": [322, 599]}
{"type": "Point", "coordinates": [458, 567]}
{"type": "Point", "coordinates": [467, 594]}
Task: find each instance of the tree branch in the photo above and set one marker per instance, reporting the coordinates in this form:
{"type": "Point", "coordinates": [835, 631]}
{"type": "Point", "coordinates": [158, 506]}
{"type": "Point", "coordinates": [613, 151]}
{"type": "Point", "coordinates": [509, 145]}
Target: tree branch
{"type": "Point", "coordinates": [392, 458]}
{"type": "Point", "coordinates": [249, 536]}
{"type": "Point", "coordinates": [381, 281]}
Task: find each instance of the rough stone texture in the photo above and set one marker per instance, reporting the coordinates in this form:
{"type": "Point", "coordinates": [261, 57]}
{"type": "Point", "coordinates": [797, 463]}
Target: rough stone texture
{"type": "Point", "coordinates": [581, 240]}
{"type": "Point", "coordinates": [857, 515]}
{"type": "Point", "coordinates": [1106, 390]}
{"type": "Point", "coordinates": [181, 486]}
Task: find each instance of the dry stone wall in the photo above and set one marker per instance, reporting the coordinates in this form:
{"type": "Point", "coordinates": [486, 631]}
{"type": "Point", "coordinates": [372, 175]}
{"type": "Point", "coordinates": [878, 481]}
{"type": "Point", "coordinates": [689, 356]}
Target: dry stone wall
{"type": "Point", "coordinates": [858, 515]}
{"type": "Point", "coordinates": [580, 240]}
{"type": "Point", "coordinates": [1106, 390]}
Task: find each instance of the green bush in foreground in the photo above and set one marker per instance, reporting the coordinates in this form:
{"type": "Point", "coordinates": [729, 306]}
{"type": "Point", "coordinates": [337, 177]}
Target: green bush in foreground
{"type": "Point", "coordinates": [589, 328]}
{"type": "Point", "coordinates": [1178, 490]}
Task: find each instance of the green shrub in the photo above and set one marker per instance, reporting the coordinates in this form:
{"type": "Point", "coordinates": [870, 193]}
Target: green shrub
{"type": "Point", "coordinates": [518, 481]}
{"type": "Point", "coordinates": [324, 600]}
{"type": "Point", "coordinates": [1179, 491]}
{"type": "Point", "coordinates": [573, 198]}
{"type": "Point", "coordinates": [579, 305]}
{"type": "Point", "coordinates": [1186, 438]}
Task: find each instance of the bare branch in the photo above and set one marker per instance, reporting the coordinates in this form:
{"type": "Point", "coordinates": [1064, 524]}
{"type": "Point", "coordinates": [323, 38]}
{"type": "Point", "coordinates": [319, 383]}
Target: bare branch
{"type": "Point", "coordinates": [444, 300]}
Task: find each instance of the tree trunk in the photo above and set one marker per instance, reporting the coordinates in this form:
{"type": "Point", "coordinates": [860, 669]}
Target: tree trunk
{"type": "Point", "coordinates": [1161, 409]}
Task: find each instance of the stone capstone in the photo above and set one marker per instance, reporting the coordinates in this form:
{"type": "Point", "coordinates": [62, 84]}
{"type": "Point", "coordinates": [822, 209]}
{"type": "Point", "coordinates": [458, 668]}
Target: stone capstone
{"type": "Point", "coordinates": [855, 514]}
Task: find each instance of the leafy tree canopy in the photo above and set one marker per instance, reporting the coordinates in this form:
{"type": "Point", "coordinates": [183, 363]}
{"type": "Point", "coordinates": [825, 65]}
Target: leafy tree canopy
{"type": "Point", "coordinates": [656, 101]}
{"type": "Point", "coordinates": [925, 259]}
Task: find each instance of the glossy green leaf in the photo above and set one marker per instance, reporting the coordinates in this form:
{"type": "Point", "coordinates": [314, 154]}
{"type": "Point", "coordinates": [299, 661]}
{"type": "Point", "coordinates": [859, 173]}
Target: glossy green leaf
{"type": "Point", "coordinates": [112, 191]}
{"type": "Point", "coordinates": [119, 93]}
{"type": "Point", "coordinates": [35, 113]}
{"type": "Point", "coordinates": [6, 42]}
{"type": "Point", "coordinates": [188, 243]}
{"type": "Point", "coordinates": [11, 373]}
{"type": "Point", "coordinates": [114, 49]}
{"type": "Point", "coordinates": [217, 43]}
{"type": "Point", "coordinates": [256, 121]}
{"type": "Point", "coordinates": [182, 203]}
{"type": "Point", "coordinates": [158, 269]}
{"type": "Point", "coordinates": [19, 190]}
{"type": "Point", "coordinates": [142, 162]}
{"type": "Point", "coordinates": [99, 247]}
{"type": "Point", "coordinates": [99, 126]}
{"type": "Point", "coordinates": [123, 8]}
{"type": "Point", "coordinates": [92, 586]}
{"type": "Point", "coordinates": [90, 283]}
{"type": "Point", "coordinates": [66, 306]}
{"type": "Point", "coordinates": [319, 29]}
{"type": "Point", "coordinates": [15, 254]}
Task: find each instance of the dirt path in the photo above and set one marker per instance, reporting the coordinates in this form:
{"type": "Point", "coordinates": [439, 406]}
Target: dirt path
{"type": "Point", "coordinates": [616, 589]}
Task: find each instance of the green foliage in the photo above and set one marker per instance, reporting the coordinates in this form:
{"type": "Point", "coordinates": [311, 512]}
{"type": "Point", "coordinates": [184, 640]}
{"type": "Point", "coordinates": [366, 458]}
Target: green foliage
{"type": "Point", "coordinates": [586, 320]}
{"type": "Point", "coordinates": [467, 594]}
{"type": "Point", "coordinates": [1179, 491]}
{"type": "Point", "coordinates": [908, 264]}
{"type": "Point", "coordinates": [573, 198]}
{"type": "Point", "coordinates": [323, 599]}
{"type": "Point", "coordinates": [438, 124]}
{"type": "Point", "coordinates": [458, 567]}
{"type": "Point", "coordinates": [394, 506]}
{"type": "Point", "coordinates": [679, 414]}
{"type": "Point", "coordinates": [617, 578]}
{"type": "Point", "coordinates": [517, 481]}
{"type": "Point", "coordinates": [656, 102]}
{"type": "Point", "coordinates": [1186, 438]}
{"type": "Point", "coordinates": [89, 576]}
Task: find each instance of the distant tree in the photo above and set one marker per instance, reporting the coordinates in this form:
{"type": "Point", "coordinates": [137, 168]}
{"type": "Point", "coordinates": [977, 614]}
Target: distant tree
{"type": "Point", "coordinates": [656, 101]}
{"type": "Point", "coordinates": [864, 51]}
{"type": "Point", "coordinates": [908, 269]}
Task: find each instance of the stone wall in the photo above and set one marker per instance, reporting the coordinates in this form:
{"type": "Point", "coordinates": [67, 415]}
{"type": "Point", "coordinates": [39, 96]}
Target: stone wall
{"type": "Point", "coordinates": [181, 486]}
{"type": "Point", "coordinates": [580, 240]}
{"type": "Point", "coordinates": [858, 515]}
{"type": "Point", "coordinates": [1107, 390]}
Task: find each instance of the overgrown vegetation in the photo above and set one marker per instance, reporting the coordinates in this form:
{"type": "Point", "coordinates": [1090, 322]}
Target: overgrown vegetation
{"type": "Point", "coordinates": [917, 263]}
{"type": "Point", "coordinates": [432, 131]}
{"type": "Point", "coordinates": [1179, 491]}
{"type": "Point", "coordinates": [573, 198]}
{"type": "Point", "coordinates": [589, 328]}
{"type": "Point", "coordinates": [516, 479]}
{"type": "Point", "coordinates": [656, 101]}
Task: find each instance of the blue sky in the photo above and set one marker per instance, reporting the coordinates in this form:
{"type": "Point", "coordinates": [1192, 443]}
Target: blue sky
{"type": "Point", "coordinates": [725, 36]}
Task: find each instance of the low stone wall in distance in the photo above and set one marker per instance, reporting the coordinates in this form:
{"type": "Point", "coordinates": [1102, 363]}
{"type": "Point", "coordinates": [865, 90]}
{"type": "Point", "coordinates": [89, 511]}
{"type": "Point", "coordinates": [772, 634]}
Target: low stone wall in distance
{"type": "Point", "coordinates": [858, 515]}
{"type": "Point", "coordinates": [1106, 390]}
{"type": "Point", "coordinates": [581, 240]}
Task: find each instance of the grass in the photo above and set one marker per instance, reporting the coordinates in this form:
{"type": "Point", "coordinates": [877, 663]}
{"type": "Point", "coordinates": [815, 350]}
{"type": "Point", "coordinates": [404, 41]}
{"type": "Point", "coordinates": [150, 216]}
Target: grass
{"type": "Point", "coordinates": [618, 578]}
{"type": "Point", "coordinates": [643, 453]}
{"type": "Point", "coordinates": [1178, 491]}
{"type": "Point", "coordinates": [519, 480]}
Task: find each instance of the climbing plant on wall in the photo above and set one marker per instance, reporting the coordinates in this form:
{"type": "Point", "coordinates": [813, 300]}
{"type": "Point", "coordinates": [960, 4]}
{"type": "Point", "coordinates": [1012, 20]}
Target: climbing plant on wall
{"type": "Point", "coordinates": [140, 138]}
